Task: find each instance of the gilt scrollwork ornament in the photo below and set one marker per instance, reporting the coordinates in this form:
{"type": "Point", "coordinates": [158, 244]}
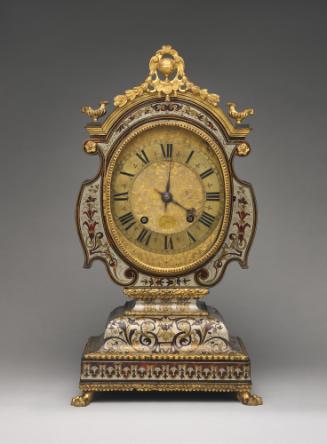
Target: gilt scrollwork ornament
{"type": "Point", "coordinates": [165, 334]}
{"type": "Point", "coordinates": [171, 65]}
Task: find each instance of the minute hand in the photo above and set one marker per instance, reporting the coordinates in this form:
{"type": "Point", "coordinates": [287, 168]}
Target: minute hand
{"type": "Point", "coordinates": [168, 184]}
{"type": "Point", "coordinates": [168, 180]}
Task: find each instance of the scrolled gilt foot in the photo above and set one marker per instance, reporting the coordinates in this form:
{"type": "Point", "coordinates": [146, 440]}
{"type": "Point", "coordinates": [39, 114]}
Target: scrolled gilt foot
{"type": "Point", "coordinates": [247, 398]}
{"type": "Point", "coordinates": [82, 400]}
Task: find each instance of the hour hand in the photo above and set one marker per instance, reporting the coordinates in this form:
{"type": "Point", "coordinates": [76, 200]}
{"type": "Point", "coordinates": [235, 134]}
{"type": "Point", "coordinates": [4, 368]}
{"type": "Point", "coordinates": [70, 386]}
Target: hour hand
{"type": "Point", "coordinates": [167, 197]}
{"type": "Point", "coordinates": [189, 211]}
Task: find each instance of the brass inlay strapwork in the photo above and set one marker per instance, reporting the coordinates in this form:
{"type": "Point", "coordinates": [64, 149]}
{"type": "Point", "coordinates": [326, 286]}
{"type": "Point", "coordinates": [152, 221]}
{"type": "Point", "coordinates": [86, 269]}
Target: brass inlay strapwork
{"type": "Point", "coordinates": [166, 293]}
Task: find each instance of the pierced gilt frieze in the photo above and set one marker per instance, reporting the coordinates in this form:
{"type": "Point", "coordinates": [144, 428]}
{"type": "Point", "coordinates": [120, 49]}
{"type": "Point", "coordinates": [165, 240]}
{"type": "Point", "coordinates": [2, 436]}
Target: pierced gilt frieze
{"type": "Point", "coordinates": [165, 282]}
{"type": "Point", "coordinates": [168, 371]}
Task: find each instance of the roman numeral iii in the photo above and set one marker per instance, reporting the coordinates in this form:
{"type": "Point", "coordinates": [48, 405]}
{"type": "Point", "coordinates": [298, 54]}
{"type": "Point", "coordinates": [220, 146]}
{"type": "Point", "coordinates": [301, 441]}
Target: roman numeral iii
{"type": "Point", "coordinates": [207, 219]}
{"type": "Point", "coordinates": [213, 196]}
{"type": "Point", "coordinates": [167, 151]}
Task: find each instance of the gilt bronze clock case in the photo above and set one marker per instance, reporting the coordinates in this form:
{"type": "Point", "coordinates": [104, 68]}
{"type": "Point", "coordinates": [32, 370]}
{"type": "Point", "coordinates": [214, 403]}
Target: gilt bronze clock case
{"type": "Point", "coordinates": [165, 338]}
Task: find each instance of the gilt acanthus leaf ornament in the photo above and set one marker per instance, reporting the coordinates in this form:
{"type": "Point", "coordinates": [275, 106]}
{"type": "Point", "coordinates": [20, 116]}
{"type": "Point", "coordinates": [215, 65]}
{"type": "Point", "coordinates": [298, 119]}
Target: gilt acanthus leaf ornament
{"type": "Point", "coordinates": [171, 65]}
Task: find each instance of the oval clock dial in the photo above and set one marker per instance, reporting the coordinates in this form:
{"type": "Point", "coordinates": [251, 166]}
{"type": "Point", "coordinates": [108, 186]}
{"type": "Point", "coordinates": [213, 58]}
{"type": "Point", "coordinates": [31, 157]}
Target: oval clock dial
{"type": "Point", "coordinates": [165, 196]}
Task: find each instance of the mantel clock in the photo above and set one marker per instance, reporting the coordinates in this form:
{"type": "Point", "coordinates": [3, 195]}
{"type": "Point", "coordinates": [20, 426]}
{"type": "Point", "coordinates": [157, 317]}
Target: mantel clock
{"type": "Point", "coordinates": [166, 213]}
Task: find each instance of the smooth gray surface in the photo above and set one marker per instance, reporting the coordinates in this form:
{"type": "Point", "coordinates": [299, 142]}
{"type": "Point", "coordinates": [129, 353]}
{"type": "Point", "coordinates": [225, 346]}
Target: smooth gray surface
{"type": "Point", "coordinates": [57, 56]}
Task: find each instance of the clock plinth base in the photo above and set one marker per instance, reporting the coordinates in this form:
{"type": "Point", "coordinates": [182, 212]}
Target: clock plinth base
{"type": "Point", "coordinates": [175, 345]}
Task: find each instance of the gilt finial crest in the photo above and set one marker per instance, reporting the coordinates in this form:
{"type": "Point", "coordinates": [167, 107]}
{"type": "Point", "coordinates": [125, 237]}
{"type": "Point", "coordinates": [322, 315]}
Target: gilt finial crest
{"type": "Point", "coordinates": [166, 78]}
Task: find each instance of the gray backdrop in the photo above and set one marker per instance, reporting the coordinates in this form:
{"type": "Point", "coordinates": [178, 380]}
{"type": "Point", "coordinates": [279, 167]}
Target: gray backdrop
{"type": "Point", "coordinates": [57, 56]}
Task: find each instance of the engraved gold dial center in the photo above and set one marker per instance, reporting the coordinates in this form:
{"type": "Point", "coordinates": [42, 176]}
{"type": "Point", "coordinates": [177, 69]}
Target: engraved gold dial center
{"type": "Point", "coordinates": [148, 196]}
{"type": "Point", "coordinates": [166, 196]}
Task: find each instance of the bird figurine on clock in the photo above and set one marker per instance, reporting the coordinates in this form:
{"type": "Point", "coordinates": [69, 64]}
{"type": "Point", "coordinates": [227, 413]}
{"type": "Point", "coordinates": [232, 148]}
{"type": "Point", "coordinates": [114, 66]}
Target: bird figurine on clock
{"type": "Point", "coordinates": [166, 214]}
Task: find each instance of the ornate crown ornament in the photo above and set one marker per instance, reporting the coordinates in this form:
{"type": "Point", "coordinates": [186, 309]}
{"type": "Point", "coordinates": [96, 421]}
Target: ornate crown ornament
{"type": "Point", "coordinates": [168, 62]}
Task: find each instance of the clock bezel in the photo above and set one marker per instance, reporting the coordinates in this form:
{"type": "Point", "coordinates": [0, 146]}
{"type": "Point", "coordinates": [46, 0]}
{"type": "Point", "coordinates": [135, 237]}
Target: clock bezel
{"type": "Point", "coordinates": [211, 245]}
